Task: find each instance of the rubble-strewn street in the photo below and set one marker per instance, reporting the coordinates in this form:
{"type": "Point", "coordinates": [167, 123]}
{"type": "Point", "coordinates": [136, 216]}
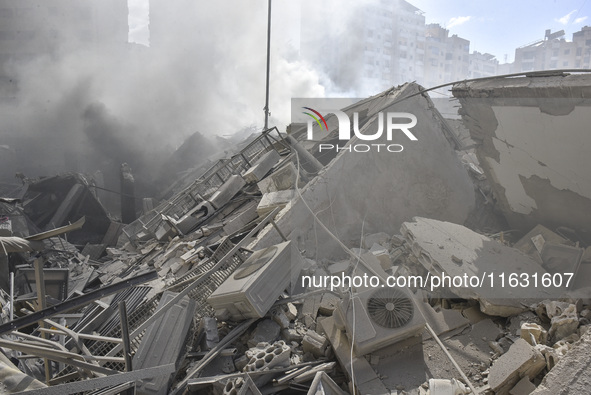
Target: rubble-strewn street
{"type": "Point", "coordinates": [229, 285]}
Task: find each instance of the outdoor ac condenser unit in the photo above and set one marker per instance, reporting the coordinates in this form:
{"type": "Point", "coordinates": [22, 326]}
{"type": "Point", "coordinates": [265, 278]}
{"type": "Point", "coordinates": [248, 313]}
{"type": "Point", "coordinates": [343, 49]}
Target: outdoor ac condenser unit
{"type": "Point", "coordinates": [253, 288]}
{"type": "Point", "coordinates": [382, 317]}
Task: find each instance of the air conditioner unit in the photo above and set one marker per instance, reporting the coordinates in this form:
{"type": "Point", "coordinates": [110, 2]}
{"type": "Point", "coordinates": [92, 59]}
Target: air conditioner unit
{"type": "Point", "coordinates": [382, 317]}
{"type": "Point", "coordinates": [257, 283]}
{"type": "Point", "coordinates": [195, 216]}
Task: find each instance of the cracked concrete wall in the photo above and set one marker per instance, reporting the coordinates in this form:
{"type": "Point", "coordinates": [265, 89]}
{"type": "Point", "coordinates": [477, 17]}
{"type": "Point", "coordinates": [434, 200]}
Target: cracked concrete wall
{"type": "Point", "coordinates": [533, 143]}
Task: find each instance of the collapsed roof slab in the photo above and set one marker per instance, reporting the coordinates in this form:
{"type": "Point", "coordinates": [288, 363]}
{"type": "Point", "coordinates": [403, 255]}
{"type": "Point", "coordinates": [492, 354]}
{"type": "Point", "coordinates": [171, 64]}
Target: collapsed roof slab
{"type": "Point", "coordinates": [503, 279]}
{"type": "Point", "coordinates": [382, 189]}
{"type": "Point", "coordinates": [533, 144]}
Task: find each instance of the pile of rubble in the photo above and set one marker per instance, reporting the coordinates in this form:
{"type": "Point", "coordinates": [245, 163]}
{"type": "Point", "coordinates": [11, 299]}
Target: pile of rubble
{"type": "Point", "coordinates": [228, 287]}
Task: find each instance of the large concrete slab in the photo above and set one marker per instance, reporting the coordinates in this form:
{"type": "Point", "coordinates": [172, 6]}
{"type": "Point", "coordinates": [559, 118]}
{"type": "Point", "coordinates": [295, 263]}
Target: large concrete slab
{"type": "Point", "coordinates": [533, 145]}
{"type": "Point", "coordinates": [572, 374]}
{"type": "Point", "coordinates": [478, 267]}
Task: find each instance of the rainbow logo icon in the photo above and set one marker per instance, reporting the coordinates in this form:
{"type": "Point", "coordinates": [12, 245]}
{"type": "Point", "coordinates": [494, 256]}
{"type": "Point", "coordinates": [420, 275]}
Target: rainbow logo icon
{"type": "Point", "coordinates": [315, 118]}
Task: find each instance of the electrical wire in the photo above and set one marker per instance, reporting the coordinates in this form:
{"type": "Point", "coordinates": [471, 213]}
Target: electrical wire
{"type": "Point", "coordinates": [548, 73]}
{"type": "Point", "coordinates": [358, 257]}
{"type": "Point", "coordinates": [345, 248]}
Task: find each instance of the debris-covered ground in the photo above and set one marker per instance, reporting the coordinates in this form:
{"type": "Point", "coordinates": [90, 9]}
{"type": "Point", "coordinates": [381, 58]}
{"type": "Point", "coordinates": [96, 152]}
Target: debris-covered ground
{"type": "Point", "coordinates": [237, 284]}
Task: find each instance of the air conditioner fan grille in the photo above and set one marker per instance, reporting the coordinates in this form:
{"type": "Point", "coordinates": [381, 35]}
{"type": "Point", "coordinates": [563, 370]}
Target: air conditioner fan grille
{"type": "Point", "coordinates": [390, 308]}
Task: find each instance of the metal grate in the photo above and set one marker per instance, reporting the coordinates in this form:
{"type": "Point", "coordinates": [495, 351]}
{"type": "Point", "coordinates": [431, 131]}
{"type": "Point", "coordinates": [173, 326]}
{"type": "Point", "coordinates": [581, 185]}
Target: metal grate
{"type": "Point", "coordinates": [205, 185]}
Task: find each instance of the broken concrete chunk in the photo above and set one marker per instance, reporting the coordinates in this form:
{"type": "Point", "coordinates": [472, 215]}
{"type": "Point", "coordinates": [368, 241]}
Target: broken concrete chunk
{"type": "Point", "coordinates": [266, 356]}
{"type": "Point", "coordinates": [571, 375]}
{"type": "Point", "coordinates": [280, 318]}
{"type": "Point", "coordinates": [380, 238]}
{"type": "Point", "coordinates": [522, 360]}
{"type": "Point", "coordinates": [517, 321]}
{"type": "Point", "coordinates": [534, 334]}
{"type": "Point", "coordinates": [241, 362]}
{"type": "Point", "coordinates": [291, 335]}
{"type": "Point", "coordinates": [240, 385]}
{"type": "Point", "coordinates": [272, 200]}
{"type": "Point", "coordinates": [555, 353]}
{"type": "Point", "coordinates": [474, 315]}
{"type": "Point", "coordinates": [267, 331]}
{"type": "Point", "coordinates": [564, 320]}
{"type": "Point", "coordinates": [397, 240]}
{"type": "Point", "coordinates": [315, 344]}
{"type": "Point", "coordinates": [481, 259]}
{"type": "Point", "coordinates": [291, 312]}
{"type": "Point", "coordinates": [212, 337]}
{"type": "Point", "coordinates": [328, 303]}
{"type": "Point", "coordinates": [339, 267]}
{"type": "Point", "coordinates": [310, 306]}
{"type": "Point", "coordinates": [523, 387]}
{"type": "Point", "coordinates": [383, 256]}
{"type": "Point", "coordinates": [444, 320]}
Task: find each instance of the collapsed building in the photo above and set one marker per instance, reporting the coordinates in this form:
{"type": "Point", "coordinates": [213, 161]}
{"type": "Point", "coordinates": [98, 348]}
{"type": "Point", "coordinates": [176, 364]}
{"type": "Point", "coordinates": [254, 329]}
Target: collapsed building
{"type": "Point", "coordinates": [229, 285]}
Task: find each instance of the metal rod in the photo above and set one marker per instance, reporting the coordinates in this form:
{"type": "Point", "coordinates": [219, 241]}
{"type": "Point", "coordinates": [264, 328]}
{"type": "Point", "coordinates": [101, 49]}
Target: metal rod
{"type": "Point", "coordinates": [11, 296]}
{"type": "Point", "coordinates": [41, 304]}
{"type": "Point", "coordinates": [62, 356]}
{"type": "Point", "coordinates": [101, 382]}
{"type": "Point", "coordinates": [76, 302]}
{"type": "Point", "coordinates": [214, 352]}
{"type": "Point", "coordinates": [268, 67]}
{"type": "Point", "coordinates": [83, 336]}
{"type": "Point", "coordinates": [278, 230]}
{"type": "Point", "coordinates": [125, 336]}
{"type": "Point", "coordinates": [452, 360]}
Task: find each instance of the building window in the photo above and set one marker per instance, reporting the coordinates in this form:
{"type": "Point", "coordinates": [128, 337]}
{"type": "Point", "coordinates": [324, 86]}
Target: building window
{"type": "Point", "coordinates": [579, 51]}
{"type": "Point", "coordinates": [566, 51]}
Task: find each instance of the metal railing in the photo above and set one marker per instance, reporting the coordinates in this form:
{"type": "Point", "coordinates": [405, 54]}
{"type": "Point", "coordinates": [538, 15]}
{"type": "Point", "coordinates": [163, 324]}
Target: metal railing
{"type": "Point", "coordinates": [205, 185]}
